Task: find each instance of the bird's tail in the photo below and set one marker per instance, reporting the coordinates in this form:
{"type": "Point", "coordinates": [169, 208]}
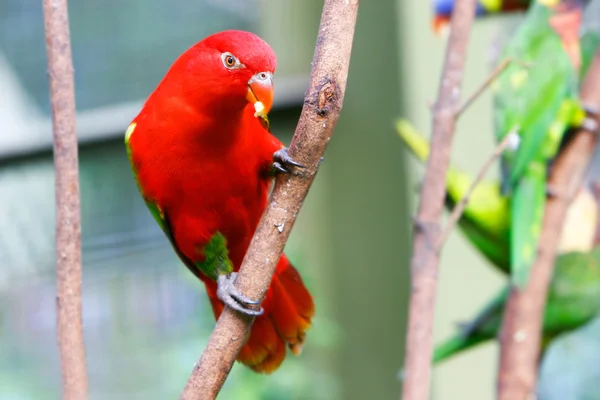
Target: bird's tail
{"type": "Point", "coordinates": [453, 346]}
{"type": "Point", "coordinates": [289, 309]}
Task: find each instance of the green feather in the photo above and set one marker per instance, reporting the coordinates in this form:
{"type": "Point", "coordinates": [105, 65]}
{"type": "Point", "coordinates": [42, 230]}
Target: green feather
{"type": "Point", "coordinates": [216, 255]}
{"type": "Point", "coordinates": [481, 329]}
{"type": "Point", "coordinates": [589, 43]}
{"type": "Point", "coordinates": [527, 207]}
{"type": "Point", "coordinates": [573, 301]}
{"type": "Point", "coordinates": [539, 103]}
{"type": "Point", "coordinates": [485, 220]}
{"type": "Point", "coordinates": [216, 261]}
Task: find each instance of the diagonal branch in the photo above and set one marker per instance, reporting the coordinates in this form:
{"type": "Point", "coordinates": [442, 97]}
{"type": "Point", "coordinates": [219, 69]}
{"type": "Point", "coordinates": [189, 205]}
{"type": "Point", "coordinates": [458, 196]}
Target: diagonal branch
{"type": "Point", "coordinates": [425, 258]}
{"type": "Point", "coordinates": [322, 106]}
{"type": "Point", "coordinates": [487, 83]}
{"type": "Point", "coordinates": [521, 327]}
{"type": "Point", "coordinates": [458, 210]}
{"type": "Point", "coordinates": [68, 214]}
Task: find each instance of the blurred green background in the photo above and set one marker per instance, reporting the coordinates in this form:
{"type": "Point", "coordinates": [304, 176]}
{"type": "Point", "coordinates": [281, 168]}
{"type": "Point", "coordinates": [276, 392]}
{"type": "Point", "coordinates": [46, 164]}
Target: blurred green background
{"type": "Point", "coordinates": [146, 319]}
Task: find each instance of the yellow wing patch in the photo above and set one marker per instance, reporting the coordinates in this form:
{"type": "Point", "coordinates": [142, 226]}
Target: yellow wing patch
{"type": "Point", "coordinates": [491, 5]}
{"type": "Point", "coordinates": [129, 131]}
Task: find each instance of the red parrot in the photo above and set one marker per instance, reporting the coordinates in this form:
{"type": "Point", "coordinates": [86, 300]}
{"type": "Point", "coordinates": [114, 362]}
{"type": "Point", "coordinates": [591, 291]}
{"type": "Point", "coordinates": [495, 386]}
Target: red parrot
{"type": "Point", "coordinates": [204, 161]}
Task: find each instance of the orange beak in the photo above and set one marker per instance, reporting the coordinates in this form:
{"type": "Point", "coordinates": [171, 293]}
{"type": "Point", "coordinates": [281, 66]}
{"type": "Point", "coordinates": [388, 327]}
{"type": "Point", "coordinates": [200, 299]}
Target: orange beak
{"type": "Point", "coordinates": [260, 92]}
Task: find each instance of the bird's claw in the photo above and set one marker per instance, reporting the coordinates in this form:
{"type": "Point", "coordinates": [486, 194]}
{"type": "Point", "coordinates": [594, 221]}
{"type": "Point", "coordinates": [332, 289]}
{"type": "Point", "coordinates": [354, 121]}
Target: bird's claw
{"type": "Point", "coordinates": [230, 295]}
{"type": "Point", "coordinates": [282, 161]}
{"type": "Point", "coordinates": [280, 167]}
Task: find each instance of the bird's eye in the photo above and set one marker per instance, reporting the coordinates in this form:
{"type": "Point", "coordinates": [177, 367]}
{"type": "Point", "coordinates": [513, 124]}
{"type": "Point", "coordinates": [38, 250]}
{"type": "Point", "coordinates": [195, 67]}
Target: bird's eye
{"type": "Point", "coordinates": [229, 61]}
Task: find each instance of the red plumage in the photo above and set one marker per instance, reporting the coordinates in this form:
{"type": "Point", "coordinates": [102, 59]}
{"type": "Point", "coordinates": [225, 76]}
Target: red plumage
{"type": "Point", "coordinates": [203, 157]}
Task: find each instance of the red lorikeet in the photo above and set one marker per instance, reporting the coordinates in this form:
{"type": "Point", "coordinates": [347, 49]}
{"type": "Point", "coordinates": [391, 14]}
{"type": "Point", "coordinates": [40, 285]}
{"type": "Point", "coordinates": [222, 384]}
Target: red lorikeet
{"type": "Point", "coordinates": [204, 160]}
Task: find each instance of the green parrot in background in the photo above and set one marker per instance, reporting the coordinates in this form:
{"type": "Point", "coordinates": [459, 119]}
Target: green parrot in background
{"type": "Point", "coordinates": [573, 300]}
{"type": "Point", "coordinates": [535, 97]}
{"type": "Point", "coordinates": [486, 219]}
{"type": "Point", "coordinates": [574, 294]}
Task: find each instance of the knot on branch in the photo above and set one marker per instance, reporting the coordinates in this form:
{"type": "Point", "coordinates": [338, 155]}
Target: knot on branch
{"type": "Point", "coordinates": [430, 230]}
{"type": "Point", "coordinates": [325, 100]}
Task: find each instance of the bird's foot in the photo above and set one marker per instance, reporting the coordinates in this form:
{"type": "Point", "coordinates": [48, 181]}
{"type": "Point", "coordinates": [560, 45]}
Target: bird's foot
{"type": "Point", "coordinates": [283, 162]}
{"type": "Point", "coordinates": [230, 295]}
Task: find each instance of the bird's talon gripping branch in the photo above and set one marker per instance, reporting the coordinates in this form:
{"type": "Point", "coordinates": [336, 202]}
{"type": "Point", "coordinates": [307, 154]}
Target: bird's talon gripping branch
{"type": "Point", "coordinates": [280, 168]}
{"type": "Point", "coordinates": [230, 295]}
{"type": "Point", "coordinates": [282, 161]}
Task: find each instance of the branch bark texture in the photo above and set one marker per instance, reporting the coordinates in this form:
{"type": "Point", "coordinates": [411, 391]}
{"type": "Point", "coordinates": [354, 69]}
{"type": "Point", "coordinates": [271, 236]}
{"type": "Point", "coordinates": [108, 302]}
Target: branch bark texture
{"type": "Point", "coordinates": [425, 258]}
{"type": "Point", "coordinates": [521, 327]}
{"type": "Point", "coordinates": [320, 113]}
{"type": "Point", "coordinates": [68, 214]}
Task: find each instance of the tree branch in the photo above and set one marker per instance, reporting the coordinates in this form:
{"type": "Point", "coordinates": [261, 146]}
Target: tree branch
{"type": "Point", "coordinates": [521, 327]}
{"type": "Point", "coordinates": [491, 78]}
{"type": "Point", "coordinates": [425, 258]}
{"type": "Point", "coordinates": [68, 214]}
{"type": "Point", "coordinates": [322, 106]}
{"type": "Point", "coordinates": [458, 210]}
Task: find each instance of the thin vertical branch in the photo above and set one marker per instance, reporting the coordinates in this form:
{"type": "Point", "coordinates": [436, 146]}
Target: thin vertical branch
{"type": "Point", "coordinates": [425, 258]}
{"type": "Point", "coordinates": [68, 215]}
{"type": "Point", "coordinates": [521, 327]}
{"type": "Point", "coordinates": [322, 106]}
{"type": "Point", "coordinates": [487, 83]}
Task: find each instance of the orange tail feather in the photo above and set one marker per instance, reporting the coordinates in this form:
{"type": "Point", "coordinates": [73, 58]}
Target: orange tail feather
{"type": "Point", "coordinates": [289, 309]}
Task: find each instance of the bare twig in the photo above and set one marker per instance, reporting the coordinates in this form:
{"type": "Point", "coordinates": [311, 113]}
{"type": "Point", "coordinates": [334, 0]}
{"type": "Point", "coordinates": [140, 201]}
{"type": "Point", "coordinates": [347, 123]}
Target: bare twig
{"type": "Point", "coordinates": [462, 204]}
{"type": "Point", "coordinates": [487, 83]}
{"type": "Point", "coordinates": [490, 79]}
{"type": "Point", "coordinates": [425, 258]}
{"type": "Point", "coordinates": [68, 214]}
{"type": "Point", "coordinates": [521, 328]}
{"type": "Point", "coordinates": [320, 113]}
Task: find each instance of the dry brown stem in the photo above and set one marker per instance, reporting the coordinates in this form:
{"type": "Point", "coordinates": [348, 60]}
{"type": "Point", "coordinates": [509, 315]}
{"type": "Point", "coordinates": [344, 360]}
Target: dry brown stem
{"type": "Point", "coordinates": [425, 257]}
{"type": "Point", "coordinates": [68, 214]}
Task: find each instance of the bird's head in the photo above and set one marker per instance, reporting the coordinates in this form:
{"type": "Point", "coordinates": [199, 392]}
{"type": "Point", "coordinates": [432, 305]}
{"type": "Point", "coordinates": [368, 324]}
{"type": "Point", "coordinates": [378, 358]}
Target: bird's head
{"type": "Point", "coordinates": [228, 70]}
{"type": "Point", "coordinates": [442, 12]}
